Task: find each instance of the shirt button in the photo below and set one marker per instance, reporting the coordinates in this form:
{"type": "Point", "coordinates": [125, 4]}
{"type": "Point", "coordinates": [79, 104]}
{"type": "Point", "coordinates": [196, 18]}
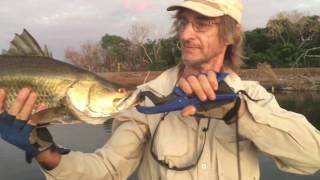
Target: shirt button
{"type": "Point", "coordinates": [204, 166]}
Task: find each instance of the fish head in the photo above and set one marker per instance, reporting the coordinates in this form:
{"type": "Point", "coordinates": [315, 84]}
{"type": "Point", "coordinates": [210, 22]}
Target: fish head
{"type": "Point", "coordinates": [131, 99]}
{"type": "Point", "coordinates": [107, 102]}
{"type": "Point", "coordinates": [103, 100]}
{"type": "Point", "coordinates": [90, 101]}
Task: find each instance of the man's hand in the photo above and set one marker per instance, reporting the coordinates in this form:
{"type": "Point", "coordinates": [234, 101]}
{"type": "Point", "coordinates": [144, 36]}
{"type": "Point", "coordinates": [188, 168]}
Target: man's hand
{"type": "Point", "coordinates": [18, 129]}
{"type": "Point", "coordinates": [23, 105]}
{"type": "Point", "coordinates": [203, 86]}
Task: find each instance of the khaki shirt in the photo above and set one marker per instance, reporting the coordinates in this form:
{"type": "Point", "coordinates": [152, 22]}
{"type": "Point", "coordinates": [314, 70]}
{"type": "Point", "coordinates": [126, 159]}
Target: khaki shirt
{"type": "Point", "coordinates": [287, 137]}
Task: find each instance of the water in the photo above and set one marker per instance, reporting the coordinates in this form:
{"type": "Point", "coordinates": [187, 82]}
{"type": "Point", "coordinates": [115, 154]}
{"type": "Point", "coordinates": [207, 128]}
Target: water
{"type": "Point", "coordinates": [87, 138]}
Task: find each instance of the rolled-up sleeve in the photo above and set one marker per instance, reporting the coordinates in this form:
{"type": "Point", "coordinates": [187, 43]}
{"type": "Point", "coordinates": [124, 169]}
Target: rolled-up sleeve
{"type": "Point", "coordinates": [286, 136]}
{"type": "Point", "coordinates": [116, 160]}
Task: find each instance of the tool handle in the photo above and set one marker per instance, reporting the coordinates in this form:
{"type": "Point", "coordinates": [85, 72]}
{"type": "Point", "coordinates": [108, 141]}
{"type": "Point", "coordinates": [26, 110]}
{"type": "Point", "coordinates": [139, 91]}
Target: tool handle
{"type": "Point", "coordinates": [182, 100]}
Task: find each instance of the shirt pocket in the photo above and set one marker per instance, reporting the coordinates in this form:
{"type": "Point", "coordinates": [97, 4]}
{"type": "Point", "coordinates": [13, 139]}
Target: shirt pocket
{"type": "Point", "coordinates": [171, 138]}
{"type": "Point", "coordinates": [173, 142]}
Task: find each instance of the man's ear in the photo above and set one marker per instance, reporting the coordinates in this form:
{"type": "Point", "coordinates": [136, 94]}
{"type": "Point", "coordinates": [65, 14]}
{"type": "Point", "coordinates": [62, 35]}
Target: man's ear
{"type": "Point", "coordinates": [238, 31]}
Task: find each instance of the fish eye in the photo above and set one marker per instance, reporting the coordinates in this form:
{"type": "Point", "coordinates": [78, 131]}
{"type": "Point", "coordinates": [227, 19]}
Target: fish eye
{"type": "Point", "coordinates": [122, 90]}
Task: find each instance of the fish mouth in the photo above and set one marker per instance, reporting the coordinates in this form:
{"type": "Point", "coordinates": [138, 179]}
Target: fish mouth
{"type": "Point", "coordinates": [133, 98]}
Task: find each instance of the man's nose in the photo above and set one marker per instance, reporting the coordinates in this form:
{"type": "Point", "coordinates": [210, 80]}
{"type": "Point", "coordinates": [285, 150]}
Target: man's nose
{"type": "Point", "coordinates": [187, 32]}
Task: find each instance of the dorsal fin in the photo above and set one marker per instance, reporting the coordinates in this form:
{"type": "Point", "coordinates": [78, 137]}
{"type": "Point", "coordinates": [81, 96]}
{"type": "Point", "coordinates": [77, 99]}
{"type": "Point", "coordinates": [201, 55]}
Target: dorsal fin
{"type": "Point", "coordinates": [25, 45]}
{"type": "Point", "coordinates": [33, 44]}
{"type": "Point", "coordinates": [46, 51]}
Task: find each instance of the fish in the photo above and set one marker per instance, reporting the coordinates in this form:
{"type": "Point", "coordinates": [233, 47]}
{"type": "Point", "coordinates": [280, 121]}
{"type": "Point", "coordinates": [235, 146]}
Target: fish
{"type": "Point", "coordinates": [72, 94]}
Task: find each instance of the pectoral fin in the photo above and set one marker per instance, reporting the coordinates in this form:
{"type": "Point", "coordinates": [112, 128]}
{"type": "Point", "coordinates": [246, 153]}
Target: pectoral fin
{"type": "Point", "coordinates": [56, 115]}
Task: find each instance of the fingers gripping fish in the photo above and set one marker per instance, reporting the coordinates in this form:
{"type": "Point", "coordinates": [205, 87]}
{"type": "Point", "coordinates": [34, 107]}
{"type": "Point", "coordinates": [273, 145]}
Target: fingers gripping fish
{"type": "Point", "coordinates": [72, 94]}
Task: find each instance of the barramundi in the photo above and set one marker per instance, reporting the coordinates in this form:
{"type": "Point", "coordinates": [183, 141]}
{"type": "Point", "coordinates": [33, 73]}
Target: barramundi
{"type": "Point", "coordinates": [72, 94]}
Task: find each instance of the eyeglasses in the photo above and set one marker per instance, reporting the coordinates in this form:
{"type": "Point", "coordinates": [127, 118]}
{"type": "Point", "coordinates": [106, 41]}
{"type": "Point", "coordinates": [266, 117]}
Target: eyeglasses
{"type": "Point", "coordinates": [198, 25]}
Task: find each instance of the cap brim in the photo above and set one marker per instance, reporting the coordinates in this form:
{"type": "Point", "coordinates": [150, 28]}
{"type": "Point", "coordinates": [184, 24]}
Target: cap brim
{"type": "Point", "coordinates": [197, 7]}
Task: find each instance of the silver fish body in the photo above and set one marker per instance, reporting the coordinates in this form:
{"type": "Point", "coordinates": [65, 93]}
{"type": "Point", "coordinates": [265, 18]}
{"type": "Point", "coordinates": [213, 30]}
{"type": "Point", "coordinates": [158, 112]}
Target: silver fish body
{"type": "Point", "coordinates": [70, 93]}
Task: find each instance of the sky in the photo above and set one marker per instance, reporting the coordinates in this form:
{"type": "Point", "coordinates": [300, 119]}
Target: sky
{"type": "Point", "coordinates": [62, 24]}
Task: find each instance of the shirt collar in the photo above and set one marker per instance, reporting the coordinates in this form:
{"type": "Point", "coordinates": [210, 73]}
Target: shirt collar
{"type": "Point", "coordinates": [164, 83]}
{"type": "Point", "coordinates": [233, 80]}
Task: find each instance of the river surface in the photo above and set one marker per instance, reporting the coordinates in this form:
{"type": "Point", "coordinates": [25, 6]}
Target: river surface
{"type": "Point", "coordinates": [87, 138]}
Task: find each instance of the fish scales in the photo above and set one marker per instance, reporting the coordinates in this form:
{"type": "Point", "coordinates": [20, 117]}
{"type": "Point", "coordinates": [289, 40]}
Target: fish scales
{"type": "Point", "coordinates": [50, 91]}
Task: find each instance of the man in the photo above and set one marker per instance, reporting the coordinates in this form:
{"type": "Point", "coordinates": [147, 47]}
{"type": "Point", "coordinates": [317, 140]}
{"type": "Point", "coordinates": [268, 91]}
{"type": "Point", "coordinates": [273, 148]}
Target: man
{"type": "Point", "coordinates": [178, 145]}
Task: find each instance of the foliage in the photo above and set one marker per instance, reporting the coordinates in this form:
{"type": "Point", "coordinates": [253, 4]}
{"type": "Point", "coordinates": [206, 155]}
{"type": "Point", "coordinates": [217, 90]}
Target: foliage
{"type": "Point", "coordinates": [164, 52]}
{"type": "Point", "coordinates": [115, 46]}
{"type": "Point", "coordinates": [290, 39]}
{"type": "Point", "coordinates": [89, 57]}
{"type": "Point", "coordinates": [139, 52]}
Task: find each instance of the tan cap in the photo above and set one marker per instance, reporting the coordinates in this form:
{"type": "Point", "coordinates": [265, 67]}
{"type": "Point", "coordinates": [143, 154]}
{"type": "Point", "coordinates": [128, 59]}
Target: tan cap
{"type": "Point", "coordinates": [213, 8]}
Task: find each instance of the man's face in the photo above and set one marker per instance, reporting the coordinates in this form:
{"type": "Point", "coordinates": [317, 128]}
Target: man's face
{"type": "Point", "coordinates": [199, 37]}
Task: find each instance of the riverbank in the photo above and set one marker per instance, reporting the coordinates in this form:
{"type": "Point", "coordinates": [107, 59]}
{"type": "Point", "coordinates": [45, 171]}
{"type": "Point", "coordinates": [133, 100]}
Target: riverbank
{"type": "Point", "coordinates": [283, 79]}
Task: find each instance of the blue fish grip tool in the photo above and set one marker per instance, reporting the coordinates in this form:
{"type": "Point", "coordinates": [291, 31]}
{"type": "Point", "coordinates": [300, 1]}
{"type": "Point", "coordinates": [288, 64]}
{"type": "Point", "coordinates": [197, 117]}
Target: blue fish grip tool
{"type": "Point", "coordinates": [177, 100]}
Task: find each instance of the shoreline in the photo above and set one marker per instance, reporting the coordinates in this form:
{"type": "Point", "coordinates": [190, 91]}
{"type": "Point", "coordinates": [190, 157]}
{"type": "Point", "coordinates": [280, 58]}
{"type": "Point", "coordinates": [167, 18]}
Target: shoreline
{"type": "Point", "coordinates": [281, 79]}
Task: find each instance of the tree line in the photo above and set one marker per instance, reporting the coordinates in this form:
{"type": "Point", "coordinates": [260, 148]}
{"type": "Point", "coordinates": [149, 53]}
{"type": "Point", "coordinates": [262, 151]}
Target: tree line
{"type": "Point", "coordinates": [290, 39]}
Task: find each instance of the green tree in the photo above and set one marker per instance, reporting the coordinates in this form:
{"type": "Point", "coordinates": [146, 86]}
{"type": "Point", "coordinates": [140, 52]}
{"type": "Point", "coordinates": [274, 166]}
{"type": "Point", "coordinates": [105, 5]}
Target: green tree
{"type": "Point", "coordinates": [257, 47]}
{"type": "Point", "coordinates": [116, 47]}
{"type": "Point", "coordinates": [165, 53]}
{"type": "Point", "coordinates": [290, 39]}
{"type": "Point", "coordinates": [296, 33]}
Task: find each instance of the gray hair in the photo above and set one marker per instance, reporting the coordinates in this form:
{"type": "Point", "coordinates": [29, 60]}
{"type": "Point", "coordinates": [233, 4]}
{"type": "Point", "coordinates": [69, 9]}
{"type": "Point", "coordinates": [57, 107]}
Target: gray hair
{"type": "Point", "coordinates": [228, 33]}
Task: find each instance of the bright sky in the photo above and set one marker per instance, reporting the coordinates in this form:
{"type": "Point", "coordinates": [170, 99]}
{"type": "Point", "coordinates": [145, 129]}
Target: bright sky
{"type": "Point", "coordinates": [61, 24]}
